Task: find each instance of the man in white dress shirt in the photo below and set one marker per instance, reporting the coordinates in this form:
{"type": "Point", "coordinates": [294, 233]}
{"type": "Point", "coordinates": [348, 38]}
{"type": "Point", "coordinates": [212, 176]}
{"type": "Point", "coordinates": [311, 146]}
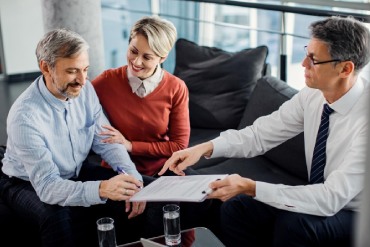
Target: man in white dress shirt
{"type": "Point", "coordinates": [321, 213]}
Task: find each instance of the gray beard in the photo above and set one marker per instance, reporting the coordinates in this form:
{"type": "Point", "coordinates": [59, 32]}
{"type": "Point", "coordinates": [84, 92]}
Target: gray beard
{"type": "Point", "coordinates": [63, 92]}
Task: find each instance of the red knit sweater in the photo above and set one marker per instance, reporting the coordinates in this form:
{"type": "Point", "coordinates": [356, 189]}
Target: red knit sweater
{"type": "Point", "coordinates": [157, 125]}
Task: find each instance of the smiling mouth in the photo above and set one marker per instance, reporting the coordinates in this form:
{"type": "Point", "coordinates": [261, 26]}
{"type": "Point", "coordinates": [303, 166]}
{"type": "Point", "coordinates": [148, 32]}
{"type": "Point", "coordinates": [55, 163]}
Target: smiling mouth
{"type": "Point", "coordinates": [136, 69]}
{"type": "Point", "coordinates": [75, 85]}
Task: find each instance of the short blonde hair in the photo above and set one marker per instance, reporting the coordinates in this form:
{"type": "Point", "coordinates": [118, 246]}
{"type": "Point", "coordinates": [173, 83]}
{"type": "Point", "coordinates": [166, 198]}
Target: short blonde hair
{"type": "Point", "coordinates": [160, 33]}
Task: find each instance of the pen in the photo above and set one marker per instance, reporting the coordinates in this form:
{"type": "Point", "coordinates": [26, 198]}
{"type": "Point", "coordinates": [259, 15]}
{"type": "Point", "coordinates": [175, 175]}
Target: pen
{"type": "Point", "coordinates": [207, 191]}
{"type": "Point", "coordinates": [121, 171]}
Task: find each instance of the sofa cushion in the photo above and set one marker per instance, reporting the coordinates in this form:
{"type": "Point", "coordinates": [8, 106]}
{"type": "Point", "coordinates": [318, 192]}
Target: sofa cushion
{"type": "Point", "coordinates": [198, 136]}
{"type": "Point", "coordinates": [219, 82]}
{"type": "Point", "coordinates": [267, 97]}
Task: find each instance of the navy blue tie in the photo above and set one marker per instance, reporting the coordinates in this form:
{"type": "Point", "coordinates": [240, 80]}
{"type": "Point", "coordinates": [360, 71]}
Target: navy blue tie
{"type": "Point", "coordinates": [319, 153]}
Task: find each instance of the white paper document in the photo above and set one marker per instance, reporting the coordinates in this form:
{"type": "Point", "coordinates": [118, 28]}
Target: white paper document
{"type": "Point", "coordinates": [191, 188]}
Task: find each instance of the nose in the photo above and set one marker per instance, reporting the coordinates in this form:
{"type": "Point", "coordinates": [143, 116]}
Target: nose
{"type": "Point", "coordinates": [137, 60]}
{"type": "Point", "coordinates": [306, 62]}
{"type": "Point", "coordinates": [81, 77]}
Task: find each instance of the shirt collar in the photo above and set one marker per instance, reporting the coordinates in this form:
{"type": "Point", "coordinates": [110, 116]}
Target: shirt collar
{"type": "Point", "coordinates": [149, 83]}
{"type": "Point", "coordinates": [346, 102]}
{"type": "Point", "coordinates": [49, 97]}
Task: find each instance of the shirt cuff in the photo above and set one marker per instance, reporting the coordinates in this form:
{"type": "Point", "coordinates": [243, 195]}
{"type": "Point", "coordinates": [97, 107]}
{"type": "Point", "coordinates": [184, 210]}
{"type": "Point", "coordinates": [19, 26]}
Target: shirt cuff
{"type": "Point", "coordinates": [136, 174]}
{"type": "Point", "coordinates": [219, 147]}
{"type": "Point", "coordinates": [265, 192]}
{"type": "Point", "coordinates": [92, 193]}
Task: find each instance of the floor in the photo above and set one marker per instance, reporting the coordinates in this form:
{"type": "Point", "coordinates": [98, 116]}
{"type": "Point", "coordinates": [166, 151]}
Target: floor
{"type": "Point", "coordinates": [9, 91]}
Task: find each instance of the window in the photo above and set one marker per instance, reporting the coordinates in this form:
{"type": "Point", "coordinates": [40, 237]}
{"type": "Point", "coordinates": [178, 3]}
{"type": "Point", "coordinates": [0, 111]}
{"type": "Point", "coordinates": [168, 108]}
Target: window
{"type": "Point", "coordinates": [228, 27]}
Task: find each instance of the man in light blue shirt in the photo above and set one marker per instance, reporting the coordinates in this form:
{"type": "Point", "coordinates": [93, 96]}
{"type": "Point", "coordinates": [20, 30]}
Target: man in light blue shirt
{"type": "Point", "coordinates": [51, 129]}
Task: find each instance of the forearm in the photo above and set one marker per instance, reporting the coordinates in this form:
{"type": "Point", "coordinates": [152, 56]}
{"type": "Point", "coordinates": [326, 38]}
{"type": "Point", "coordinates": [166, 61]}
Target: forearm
{"type": "Point", "coordinates": [205, 149]}
{"type": "Point", "coordinates": [159, 148]}
{"type": "Point", "coordinates": [249, 187]}
{"type": "Point", "coordinates": [103, 193]}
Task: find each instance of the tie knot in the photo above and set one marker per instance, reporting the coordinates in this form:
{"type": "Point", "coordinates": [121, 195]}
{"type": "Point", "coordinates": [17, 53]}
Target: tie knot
{"type": "Point", "coordinates": [327, 110]}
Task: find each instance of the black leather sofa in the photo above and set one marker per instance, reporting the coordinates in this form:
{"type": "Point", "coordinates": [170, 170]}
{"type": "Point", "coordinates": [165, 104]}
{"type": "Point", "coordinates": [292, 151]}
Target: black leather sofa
{"type": "Point", "coordinates": [227, 90]}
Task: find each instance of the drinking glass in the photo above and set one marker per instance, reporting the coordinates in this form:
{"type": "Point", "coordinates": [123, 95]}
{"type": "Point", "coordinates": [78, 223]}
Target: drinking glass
{"type": "Point", "coordinates": [106, 232]}
{"type": "Point", "coordinates": [171, 222]}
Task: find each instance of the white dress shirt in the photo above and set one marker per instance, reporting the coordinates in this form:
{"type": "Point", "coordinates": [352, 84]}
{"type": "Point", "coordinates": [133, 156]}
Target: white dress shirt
{"type": "Point", "coordinates": [148, 84]}
{"type": "Point", "coordinates": [345, 151]}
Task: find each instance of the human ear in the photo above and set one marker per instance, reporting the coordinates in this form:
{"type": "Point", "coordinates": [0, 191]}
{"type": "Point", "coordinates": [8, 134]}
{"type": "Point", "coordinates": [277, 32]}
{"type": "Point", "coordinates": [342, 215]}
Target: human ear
{"type": "Point", "coordinates": [44, 67]}
{"type": "Point", "coordinates": [162, 59]}
{"type": "Point", "coordinates": [347, 68]}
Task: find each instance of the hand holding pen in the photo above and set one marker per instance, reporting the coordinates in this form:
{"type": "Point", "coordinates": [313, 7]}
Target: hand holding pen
{"type": "Point", "coordinates": [231, 186]}
{"type": "Point", "coordinates": [119, 188]}
{"type": "Point", "coordinates": [137, 207]}
{"type": "Point", "coordinates": [209, 190]}
{"type": "Point", "coordinates": [120, 170]}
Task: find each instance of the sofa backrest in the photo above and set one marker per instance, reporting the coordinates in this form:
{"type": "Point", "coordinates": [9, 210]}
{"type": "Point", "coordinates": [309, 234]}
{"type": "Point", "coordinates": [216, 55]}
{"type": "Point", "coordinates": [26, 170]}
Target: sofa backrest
{"type": "Point", "coordinates": [267, 97]}
{"type": "Point", "coordinates": [219, 82]}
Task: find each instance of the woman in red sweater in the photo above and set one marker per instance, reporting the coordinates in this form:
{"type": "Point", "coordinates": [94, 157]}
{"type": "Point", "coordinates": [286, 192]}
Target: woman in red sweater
{"type": "Point", "coordinates": [147, 105]}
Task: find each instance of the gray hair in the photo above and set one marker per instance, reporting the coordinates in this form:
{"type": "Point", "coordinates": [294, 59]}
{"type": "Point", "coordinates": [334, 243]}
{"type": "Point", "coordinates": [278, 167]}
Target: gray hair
{"type": "Point", "coordinates": [59, 43]}
{"type": "Point", "coordinates": [160, 33]}
{"type": "Point", "coordinates": [347, 38]}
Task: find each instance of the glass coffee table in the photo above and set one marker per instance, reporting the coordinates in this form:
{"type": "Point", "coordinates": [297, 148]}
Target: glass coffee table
{"type": "Point", "coordinates": [194, 237]}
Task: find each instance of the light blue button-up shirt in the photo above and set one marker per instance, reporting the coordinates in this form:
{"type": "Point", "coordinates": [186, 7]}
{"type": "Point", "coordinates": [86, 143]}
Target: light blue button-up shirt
{"type": "Point", "coordinates": [48, 139]}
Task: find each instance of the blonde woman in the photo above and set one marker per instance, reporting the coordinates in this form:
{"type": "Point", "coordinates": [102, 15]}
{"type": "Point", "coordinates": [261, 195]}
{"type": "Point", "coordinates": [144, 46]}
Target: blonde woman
{"type": "Point", "coordinates": [147, 105]}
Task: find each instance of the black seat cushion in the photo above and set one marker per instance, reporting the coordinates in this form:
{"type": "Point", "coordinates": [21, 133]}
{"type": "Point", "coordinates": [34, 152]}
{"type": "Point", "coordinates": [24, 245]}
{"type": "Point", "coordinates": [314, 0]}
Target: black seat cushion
{"type": "Point", "coordinates": [220, 82]}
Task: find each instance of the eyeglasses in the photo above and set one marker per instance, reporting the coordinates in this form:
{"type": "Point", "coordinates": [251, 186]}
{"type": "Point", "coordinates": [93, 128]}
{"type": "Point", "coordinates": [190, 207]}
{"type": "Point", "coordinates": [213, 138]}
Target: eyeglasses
{"type": "Point", "coordinates": [313, 62]}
